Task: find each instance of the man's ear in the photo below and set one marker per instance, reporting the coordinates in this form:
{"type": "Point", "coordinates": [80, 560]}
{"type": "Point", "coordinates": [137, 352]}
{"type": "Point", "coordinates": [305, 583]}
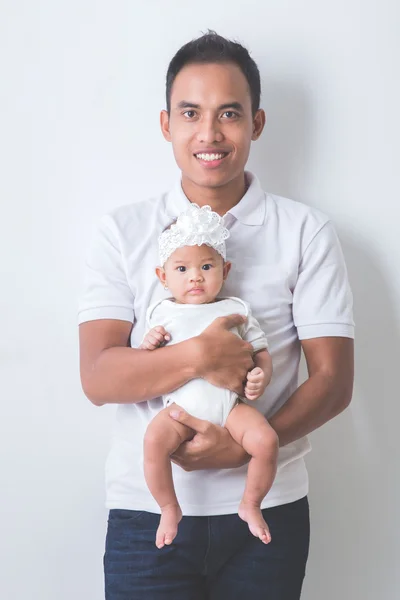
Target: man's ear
{"type": "Point", "coordinates": [161, 275]}
{"type": "Point", "coordinates": [227, 268]}
{"type": "Point", "coordinates": [258, 124]}
{"type": "Point", "coordinates": [164, 122]}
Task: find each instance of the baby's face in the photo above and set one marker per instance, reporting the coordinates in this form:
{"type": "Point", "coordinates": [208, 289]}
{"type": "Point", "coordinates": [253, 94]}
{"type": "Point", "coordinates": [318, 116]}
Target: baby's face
{"type": "Point", "coordinates": [195, 274]}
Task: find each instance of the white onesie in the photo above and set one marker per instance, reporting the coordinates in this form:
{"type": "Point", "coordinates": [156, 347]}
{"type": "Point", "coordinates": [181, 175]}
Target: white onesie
{"type": "Point", "coordinates": [183, 321]}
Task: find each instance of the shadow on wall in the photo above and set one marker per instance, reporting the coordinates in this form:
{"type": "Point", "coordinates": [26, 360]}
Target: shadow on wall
{"type": "Point", "coordinates": [354, 483]}
{"type": "Point", "coordinates": [279, 157]}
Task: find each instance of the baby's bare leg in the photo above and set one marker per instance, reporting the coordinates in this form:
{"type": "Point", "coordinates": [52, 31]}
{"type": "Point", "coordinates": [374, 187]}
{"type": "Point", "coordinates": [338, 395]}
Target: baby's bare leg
{"type": "Point", "coordinates": [252, 431]}
{"type": "Point", "coordinates": [163, 436]}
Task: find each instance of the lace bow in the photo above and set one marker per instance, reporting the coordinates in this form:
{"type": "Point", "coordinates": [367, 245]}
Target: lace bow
{"type": "Point", "coordinates": [194, 227]}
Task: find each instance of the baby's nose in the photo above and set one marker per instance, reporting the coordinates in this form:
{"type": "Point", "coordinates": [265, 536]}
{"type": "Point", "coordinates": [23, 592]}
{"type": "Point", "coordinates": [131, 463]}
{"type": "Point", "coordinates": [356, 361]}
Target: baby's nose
{"type": "Point", "coordinates": [197, 276]}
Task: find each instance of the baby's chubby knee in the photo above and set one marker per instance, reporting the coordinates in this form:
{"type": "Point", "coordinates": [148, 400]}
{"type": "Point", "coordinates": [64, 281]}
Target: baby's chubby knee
{"type": "Point", "coordinates": [266, 442]}
{"type": "Point", "coordinates": [153, 438]}
{"type": "Point", "coordinates": [163, 435]}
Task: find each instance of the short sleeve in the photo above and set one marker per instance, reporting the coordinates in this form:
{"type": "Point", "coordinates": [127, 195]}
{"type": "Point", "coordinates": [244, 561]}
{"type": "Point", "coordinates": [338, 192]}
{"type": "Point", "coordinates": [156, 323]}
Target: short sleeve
{"type": "Point", "coordinates": [253, 333]}
{"type": "Point", "coordinates": [322, 298]}
{"type": "Point", "coordinates": [106, 292]}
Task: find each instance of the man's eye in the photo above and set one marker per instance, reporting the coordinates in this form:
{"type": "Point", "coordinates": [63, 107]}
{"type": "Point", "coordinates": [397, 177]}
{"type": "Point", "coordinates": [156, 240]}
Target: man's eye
{"type": "Point", "coordinates": [206, 267]}
{"type": "Point", "coordinates": [181, 269]}
{"type": "Point", "coordinates": [189, 113]}
{"type": "Point", "coordinates": [230, 114]}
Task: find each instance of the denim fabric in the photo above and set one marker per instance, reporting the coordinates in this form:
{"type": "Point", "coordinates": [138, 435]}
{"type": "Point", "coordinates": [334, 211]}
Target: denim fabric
{"type": "Point", "coordinates": [212, 558]}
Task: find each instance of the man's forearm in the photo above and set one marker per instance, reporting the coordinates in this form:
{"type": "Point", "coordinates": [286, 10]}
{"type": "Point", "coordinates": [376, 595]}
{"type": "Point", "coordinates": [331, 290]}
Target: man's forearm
{"type": "Point", "coordinates": [315, 402]}
{"type": "Point", "coordinates": [129, 375]}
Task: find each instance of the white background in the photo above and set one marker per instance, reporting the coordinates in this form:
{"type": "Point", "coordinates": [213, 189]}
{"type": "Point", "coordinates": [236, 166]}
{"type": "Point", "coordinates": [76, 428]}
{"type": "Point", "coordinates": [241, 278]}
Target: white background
{"type": "Point", "coordinates": [82, 83]}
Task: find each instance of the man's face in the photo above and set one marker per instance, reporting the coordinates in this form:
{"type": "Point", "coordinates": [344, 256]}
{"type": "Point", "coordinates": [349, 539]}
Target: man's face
{"type": "Point", "coordinates": [211, 124]}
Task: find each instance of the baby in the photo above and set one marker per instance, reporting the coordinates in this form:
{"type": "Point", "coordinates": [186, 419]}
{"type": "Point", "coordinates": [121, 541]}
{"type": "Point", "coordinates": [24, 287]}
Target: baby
{"type": "Point", "coordinates": [194, 267]}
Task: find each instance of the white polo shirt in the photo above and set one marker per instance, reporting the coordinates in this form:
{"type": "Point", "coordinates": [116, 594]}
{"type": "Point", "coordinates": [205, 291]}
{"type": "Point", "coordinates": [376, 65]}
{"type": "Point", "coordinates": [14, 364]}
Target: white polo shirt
{"type": "Point", "coordinates": [286, 263]}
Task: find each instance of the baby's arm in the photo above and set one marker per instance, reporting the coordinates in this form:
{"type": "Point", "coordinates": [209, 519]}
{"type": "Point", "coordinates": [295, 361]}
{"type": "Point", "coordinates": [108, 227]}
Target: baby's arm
{"type": "Point", "coordinates": [260, 376]}
{"type": "Point", "coordinates": [155, 338]}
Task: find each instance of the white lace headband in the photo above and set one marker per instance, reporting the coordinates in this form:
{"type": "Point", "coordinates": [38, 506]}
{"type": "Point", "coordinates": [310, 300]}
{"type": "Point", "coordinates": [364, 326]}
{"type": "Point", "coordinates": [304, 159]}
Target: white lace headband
{"type": "Point", "coordinates": [194, 227]}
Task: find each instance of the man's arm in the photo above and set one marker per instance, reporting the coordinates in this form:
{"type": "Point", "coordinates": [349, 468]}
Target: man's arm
{"type": "Point", "coordinates": [326, 393]}
{"type": "Point", "coordinates": [112, 372]}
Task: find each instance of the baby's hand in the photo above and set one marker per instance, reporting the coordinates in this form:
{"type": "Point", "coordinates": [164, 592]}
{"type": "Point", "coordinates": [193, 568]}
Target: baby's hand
{"type": "Point", "coordinates": [256, 383]}
{"type": "Point", "coordinates": [155, 338]}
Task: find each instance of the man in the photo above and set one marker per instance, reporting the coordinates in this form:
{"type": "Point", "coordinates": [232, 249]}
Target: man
{"type": "Point", "coordinates": [287, 263]}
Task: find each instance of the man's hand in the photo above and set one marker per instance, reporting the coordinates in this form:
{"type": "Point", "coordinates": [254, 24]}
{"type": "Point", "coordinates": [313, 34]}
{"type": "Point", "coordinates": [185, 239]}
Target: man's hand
{"type": "Point", "coordinates": [224, 358]}
{"type": "Point", "coordinates": [212, 447]}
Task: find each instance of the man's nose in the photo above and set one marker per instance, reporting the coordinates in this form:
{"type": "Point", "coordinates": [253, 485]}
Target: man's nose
{"type": "Point", "coordinates": [209, 130]}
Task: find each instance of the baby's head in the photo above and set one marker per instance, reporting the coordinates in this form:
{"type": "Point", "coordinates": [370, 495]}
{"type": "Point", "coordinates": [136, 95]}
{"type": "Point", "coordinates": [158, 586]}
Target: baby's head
{"type": "Point", "coordinates": [194, 274]}
{"type": "Point", "coordinates": [193, 257]}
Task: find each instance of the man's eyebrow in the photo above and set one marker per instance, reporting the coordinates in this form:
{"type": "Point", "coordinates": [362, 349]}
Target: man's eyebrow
{"type": "Point", "coordinates": [236, 105]}
{"type": "Point", "coordinates": [186, 104]}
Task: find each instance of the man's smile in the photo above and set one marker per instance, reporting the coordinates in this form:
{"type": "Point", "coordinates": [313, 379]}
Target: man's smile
{"type": "Point", "coordinates": [211, 159]}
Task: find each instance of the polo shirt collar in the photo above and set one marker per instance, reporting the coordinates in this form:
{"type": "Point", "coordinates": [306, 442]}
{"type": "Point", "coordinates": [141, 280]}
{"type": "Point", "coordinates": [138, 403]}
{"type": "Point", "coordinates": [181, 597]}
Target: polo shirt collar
{"type": "Point", "coordinates": [250, 210]}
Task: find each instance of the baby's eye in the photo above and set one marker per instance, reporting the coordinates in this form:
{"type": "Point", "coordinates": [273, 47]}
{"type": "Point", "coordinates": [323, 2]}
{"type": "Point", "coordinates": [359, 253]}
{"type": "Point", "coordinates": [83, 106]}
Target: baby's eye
{"type": "Point", "coordinates": [181, 269]}
{"type": "Point", "coordinates": [206, 267]}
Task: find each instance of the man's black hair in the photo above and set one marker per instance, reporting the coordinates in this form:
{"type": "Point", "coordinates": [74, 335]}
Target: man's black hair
{"type": "Point", "coordinates": [213, 48]}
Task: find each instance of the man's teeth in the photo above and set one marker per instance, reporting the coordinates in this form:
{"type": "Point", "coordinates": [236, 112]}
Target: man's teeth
{"type": "Point", "coordinates": [210, 156]}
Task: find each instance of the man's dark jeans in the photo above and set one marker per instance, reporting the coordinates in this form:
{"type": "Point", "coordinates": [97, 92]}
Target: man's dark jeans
{"type": "Point", "coordinates": [212, 558]}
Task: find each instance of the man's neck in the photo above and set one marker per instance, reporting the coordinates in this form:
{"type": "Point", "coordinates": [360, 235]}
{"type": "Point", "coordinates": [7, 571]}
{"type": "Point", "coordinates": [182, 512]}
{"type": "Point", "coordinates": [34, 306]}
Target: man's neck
{"type": "Point", "coordinates": [221, 199]}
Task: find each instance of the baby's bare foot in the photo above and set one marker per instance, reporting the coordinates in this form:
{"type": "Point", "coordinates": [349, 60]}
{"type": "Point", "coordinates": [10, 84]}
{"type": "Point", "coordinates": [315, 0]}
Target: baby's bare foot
{"type": "Point", "coordinates": [254, 519]}
{"type": "Point", "coordinates": [168, 527]}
